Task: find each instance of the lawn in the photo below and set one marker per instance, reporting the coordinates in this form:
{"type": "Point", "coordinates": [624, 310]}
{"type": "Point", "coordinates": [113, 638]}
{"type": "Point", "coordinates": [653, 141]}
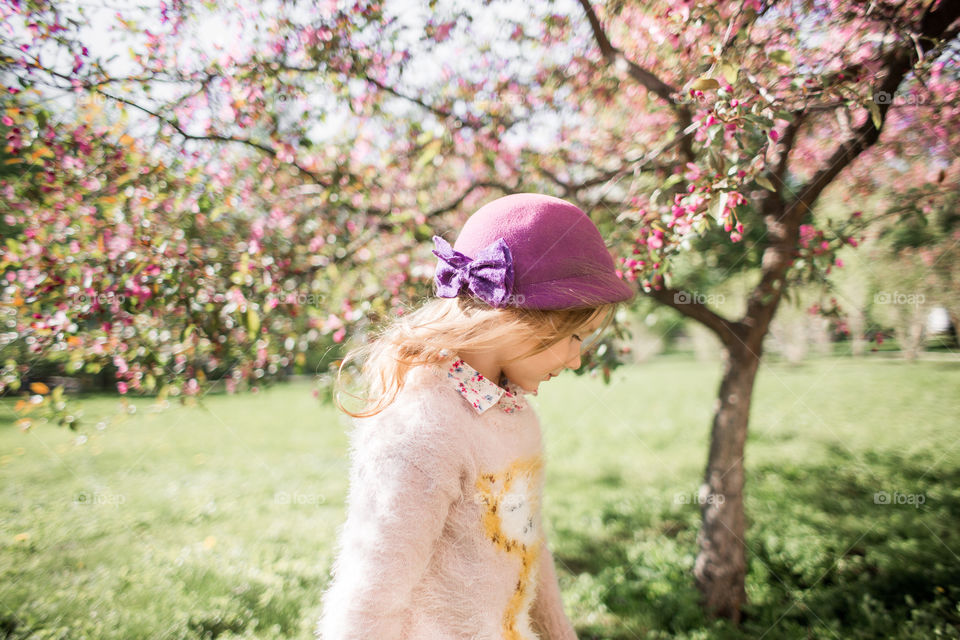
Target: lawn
{"type": "Point", "coordinates": [217, 521]}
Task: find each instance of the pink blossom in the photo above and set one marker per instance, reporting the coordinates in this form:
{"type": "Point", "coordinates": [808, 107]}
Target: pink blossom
{"type": "Point", "coordinates": [443, 31]}
{"type": "Point", "coordinates": [332, 323]}
{"type": "Point", "coordinates": [122, 387]}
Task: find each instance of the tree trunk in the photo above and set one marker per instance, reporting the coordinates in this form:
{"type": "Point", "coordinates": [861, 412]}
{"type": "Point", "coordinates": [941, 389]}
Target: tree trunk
{"type": "Point", "coordinates": [909, 330]}
{"type": "Point", "coordinates": [856, 325]}
{"type": "Point", "coordinates": [720, 568]}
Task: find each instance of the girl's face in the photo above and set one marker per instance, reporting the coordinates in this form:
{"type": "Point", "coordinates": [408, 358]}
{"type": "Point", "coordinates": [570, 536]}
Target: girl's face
{"type": "Point", "coordinates": [532, 370]}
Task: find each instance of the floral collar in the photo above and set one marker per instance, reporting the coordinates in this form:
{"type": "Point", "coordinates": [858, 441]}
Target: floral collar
{"type": "Point", "coordinates": [481, 392]}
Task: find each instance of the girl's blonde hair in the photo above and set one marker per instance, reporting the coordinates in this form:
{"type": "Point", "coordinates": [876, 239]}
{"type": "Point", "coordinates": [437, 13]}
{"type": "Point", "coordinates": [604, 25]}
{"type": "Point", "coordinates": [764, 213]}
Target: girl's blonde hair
{"type": "Point", "coordinates": [464, 323]}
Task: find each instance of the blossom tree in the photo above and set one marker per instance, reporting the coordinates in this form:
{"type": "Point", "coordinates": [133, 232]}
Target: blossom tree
{"type": "Point", "coordinates": [317, 153]}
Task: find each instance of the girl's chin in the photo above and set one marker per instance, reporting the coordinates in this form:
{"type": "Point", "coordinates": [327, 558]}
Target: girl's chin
{"type": "Point", "coordinates": [533, 391]}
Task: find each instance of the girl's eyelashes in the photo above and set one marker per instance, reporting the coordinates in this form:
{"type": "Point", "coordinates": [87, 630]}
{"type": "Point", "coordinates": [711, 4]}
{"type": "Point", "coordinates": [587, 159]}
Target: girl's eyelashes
{"type": "Point", "coordinates": [578, 337]}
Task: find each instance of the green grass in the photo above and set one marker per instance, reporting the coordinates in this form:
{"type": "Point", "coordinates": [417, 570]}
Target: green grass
{"type": "Point", "coordinates": [218, 522]}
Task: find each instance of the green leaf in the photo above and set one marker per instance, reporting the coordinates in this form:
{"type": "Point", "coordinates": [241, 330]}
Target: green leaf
{"type": "Point", "coordinates": [716, 206]}
{"type": "Point", "coordinates": [761, 121]}
{"type": "Point", "coordinates": [717, 162]}
{"type": "Point", "coordinates": [253, 320]}
{"type": "Point", "coordinates": [729, 72]}
{"type": "Point", "coordinates": [429, 153]}
{"type": "Point", "coordinates": [764, 182]}
{"type": "Point", "coordinates": [713, 130]}
{"type": "Point", "coordinates": [875, 114]}
{"type": "Point", "coordinates": [673, 179]}
{"type": "Point", "coordinates": [781, 56]}
{"type": "Point", "coordinates": [713, 209]}
{"type": "Point", "coordinates": [705, 84]}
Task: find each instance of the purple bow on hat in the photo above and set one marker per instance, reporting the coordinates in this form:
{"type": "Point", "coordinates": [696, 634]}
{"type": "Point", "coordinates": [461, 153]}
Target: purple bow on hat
{"type": "Point", "coordinates": [489, 276]}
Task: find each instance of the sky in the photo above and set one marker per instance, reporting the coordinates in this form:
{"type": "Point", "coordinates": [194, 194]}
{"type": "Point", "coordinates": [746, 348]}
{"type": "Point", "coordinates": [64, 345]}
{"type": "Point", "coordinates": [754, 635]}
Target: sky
{"type": "Point", "coordinates": [219, 31]}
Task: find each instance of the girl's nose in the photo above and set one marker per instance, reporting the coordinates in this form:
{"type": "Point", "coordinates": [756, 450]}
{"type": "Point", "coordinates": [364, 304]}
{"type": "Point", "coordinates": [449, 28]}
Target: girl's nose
{"type": "Point", "coordinates": [574, 362]}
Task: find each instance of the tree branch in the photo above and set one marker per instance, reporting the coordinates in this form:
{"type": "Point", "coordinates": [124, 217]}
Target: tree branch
{"type": "Point", "coordinates": [481, 184]}
{"type": "Point", "coordinates": [729, 332]}
{"type": "Point", "coordinates": [898, 64]}
{"type": "Point", "coordinates": [783, 223]}
{"type": "Point", "coordinates": [216, 137]}
{"type": "Point", "coordinates": [785, 145]}
{"type": "Point", "coordinates": [614, 57]}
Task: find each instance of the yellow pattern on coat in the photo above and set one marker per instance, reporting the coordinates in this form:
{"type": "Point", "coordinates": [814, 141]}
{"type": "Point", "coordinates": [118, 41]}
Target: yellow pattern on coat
{"type": "Point", "coordinates": [498, 492]}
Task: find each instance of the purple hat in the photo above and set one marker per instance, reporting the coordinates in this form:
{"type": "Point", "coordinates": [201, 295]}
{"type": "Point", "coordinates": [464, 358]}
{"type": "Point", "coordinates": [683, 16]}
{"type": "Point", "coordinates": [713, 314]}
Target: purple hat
{"type": "Point", "coordinates": [532, 251]}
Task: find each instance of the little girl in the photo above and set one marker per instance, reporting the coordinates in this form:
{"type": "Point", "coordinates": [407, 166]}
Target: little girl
{"type": "Point", "coordinates": [443, 537]}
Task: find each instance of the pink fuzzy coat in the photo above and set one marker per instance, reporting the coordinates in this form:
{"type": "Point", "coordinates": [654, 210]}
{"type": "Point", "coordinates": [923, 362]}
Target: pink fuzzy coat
{"type": "Point", "coordinates": [443, 538]}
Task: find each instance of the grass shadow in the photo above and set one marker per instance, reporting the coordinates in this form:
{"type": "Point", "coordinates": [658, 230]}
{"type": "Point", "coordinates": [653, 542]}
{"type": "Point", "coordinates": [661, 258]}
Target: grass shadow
{"type": "Point", "coordinates": [860, 548]}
